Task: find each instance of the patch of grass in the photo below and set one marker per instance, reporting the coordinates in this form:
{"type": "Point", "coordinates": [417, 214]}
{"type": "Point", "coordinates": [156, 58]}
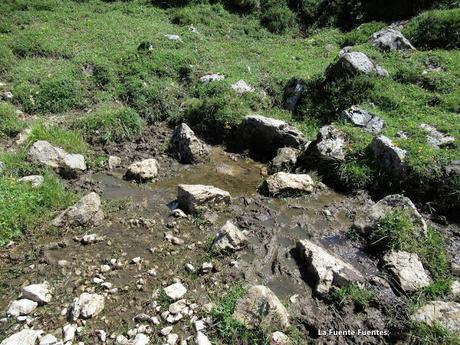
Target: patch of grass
{"type": "Point", "coordinates": [24, 208]}
{"type": "Point", "coordinates": [7, 59]}
{"type": "Point", "coordinates": [10, 125]}
{"type": "Point", "coordinates": [361, 34]}
{"type": "Point", "coordinates": [435, 29]}
{"type": "Point", "coordinates": [163, 300]}
{"type": "Point", "coordinates": [422, 334]}
{"type": "Point", "coordinates": [109, 124]}
{"type": "Point", "coordinates": [226, 328]}
{"type": "Point", "coordinates": [360, 296]}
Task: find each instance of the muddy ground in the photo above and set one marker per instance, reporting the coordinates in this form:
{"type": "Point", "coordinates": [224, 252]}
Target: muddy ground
{"type": "Point", "coordinates": [137, 219]}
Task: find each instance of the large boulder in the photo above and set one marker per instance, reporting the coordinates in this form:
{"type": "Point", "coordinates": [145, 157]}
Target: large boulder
{"type": "Point", "coordinates": [186, 147]}
{"type": "Point", "coordinates": [390, 39]}
{"type": "Point", "coordinates": [285, 160]}
{"type": "Point", "coordinates": [230, 238]}
{"type": "Point", "coordinates": [436, 138]}
{"type": "Point", "coordinates": [260, 307]}
{"type": "Point", "coordinates": [292, 94]}
{"type": "Point", "coordinates": [86, 212]}
{"type": "Point", "coordinates": [446, 314]}
{"type": "Point", "coordinates": [87, 305]}
{"type": "Point", "coordinates": [354, 63]}
{"type": "Point", "coordinates": [283, 184]}
{"type": "Point", "coordinates": [24, 337]}
{"type": "Point", "coordinates": [391, 157]}
{"type": "Point", "coordinates": [407, 270]}
{"type": "Point", "coordinates": [69, 165]}
{"type": "Point", "coordinates": [266, 135]}
{"type": "Point", "coordinates": [362, 118]}
{"type": "Point", "coordinates": [368, 219]}
{"type": "Point", "coordinates": [326, 270]}
{"type": "Point", "coordinates": [143, 171]}
{"type": "Point", "coordinates": [193, 197]}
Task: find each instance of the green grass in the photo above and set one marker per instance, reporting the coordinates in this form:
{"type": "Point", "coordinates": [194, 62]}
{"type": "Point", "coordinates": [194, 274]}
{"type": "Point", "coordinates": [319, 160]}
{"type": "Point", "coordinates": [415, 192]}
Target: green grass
{"type": "Point", "coordinates": [422, 334]}
{"type": "Point", "coordinates": [10, 125]}
{"type": "Point", "coordinates": [360, 296]}
{"type": "Point", "coordinates": [111, 124]}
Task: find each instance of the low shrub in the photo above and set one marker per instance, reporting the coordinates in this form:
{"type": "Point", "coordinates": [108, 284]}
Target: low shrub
{"type": "Point", "coordinates": [278, 18]}
{"type": "Point", "coordinates": [58, 95]}
{"type": "Point", "coordinates": [435, 29]}
{"type": "Point", "coordinates": [111, 125]}
{"type": "Point", "coordinates": [361, 34]}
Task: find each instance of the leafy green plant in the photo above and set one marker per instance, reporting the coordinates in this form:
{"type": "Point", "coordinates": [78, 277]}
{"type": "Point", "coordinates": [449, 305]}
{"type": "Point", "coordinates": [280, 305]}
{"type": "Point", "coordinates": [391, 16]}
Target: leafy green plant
{"type": "Point", "coordinates": [360, 296]}
{"type": "Point", "coordinates": [278, 18]}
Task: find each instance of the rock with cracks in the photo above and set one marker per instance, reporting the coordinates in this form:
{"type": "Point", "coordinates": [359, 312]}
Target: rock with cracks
{"type": "Point", "coordinates": [230, 238]}
{"type": "Point", "coordinates": [446, 314]}
{"type": "Point", "coordinates": [267, 135]}
{"type": "Point", "coordinates": [354, 63]}
{"type": "Point", "coordinates": [284, 184]}
{"type": "Point", "coordinates": [363, 119]}
{"type": "Point", "coordinates": [142, 171]}
{"type": "Point", "coordinates": [407, 270]}
{"type": "Point", "coordinates": [324, 269]}
{"type": "Point", "coordinates": [87, 306]}
{"type": "Point", "coordinates": [368, 219]}
{"type": "Point", "coordinates": [390, 39]}
{"type": "Point", "coordinates": [68, 165]}
{"type": "Point", "coordinates": [193, 198]}
{"type": "Point", "coordinates": [86, 212]}
{"type": "Point", "coordinates": [261, 307]}
{"type": "Point", "coordinates": [285, 160]}
{"type": "Point", "coordinates": [186, 147]}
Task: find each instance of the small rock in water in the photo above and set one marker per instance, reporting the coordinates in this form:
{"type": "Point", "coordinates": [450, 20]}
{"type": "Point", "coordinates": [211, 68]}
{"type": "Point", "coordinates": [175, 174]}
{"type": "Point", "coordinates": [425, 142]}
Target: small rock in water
{"type": "Point", "coordinates": [283, 184]}
{"type": "Point", "coordinates": [114, 162]}
{"type": "Point", "coordinates": [192, 197]}
{"type": "Point", "coordinates": [143, 171]}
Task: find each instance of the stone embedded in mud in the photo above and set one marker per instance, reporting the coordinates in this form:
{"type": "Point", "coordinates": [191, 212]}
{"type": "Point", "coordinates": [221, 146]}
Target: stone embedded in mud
{"type": "Point", "coordinates": [175, 291]}
{"type": "Point", "coordinates": [391, 157]}
{"type": "Point", "coordinates": [285, 160]}
{"type": "Point", "coordinates": [361, 118]}
{"type": "Point", "coordinates": [436, 138]}
{"type": "Point", "coordinates": [22, 306]}
{"type": "Point", "coordinates": [24, 337]}
{"type": "Point", "coordinates": [114, 162]}
{"type": "Point", "coordinates": [87, 306]}
{"type": "Point", "coordinates": [261, 307]}
{"type": "Point", "coordinates": [69, 165]}
{"type": "Point", "coordinates": [390, 39]}
{"type": "Point", "coordinates": [230, 238]}
{"type": "Point", "coordinates": [242, 87]}
{"type": "Point", "coordinates": [441, 313]}
{"type": "Point", "coordinates": [407, 269]}
{"type": "Point", "coordinates": [325, 269]}
{"type": "Point", "coordinates": [34, 180]}
{"type": "Point", "coordinates": [86, 212]}
{"type": "Point", "coordinates": [266, 135]}
{"type": "Point", "coordinates": [39, 293]}
{"type": "Point", "coordinates": [292, 93]}
{"type": "Point", "coordinates": [353, 63]}
{"type": "Point", "coordinates": [193, 197]}
{"type": "Point", "coordinates": [279, 338]}
{"type": "Point", "coordinates": [186, 147]}
{"type": "Point", "coordinates": [283, 184]}
{"type": "Point", "coordinates": [208, 78]}
{"type": "Point", "coordinates": [143, 171]}
{"type": "Point", "coordinates": [367, 220]}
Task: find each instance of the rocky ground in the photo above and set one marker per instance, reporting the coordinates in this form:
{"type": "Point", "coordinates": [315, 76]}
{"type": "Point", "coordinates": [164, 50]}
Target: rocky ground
{"type": "Point", "coordinates": [158, 240]}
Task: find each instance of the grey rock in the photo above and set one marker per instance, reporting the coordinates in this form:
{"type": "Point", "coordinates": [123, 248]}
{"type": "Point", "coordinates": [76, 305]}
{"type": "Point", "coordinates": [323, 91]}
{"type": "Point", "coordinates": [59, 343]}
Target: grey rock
{"type": "Point", "coordinates": [202, 339]}
{"type": "Point", "coordinates": [241, 87]}
{"type": "Point", "coordinates": [282, 184]}
{"type": "Point", "coordinates": [143, 171]}
{"type": "Point", "coordinates": [69, 165]}
{"type": "Point", "coordinates": [390, 39]}
{"type": "Point", "coordinates": [114, 162]}
{"type": "Point", "coordinates": [442, 313]}
{"type": "Point", "coordinates": [353, 63]}
{"type": "Point", "coordinates": [175, 38]}
{"type": "Point", "coordinates": [2, 166]}
{"type": "Point", "coordinates": [48, 339]}
{"type": "Point", "coordinates": [186, 147]}
{"type": "Point", "coordinates": [361, 118]}
{"type": "Point", "coordinates": [266, 134]}
{"type": "Point", "coordinates": [330, 143]}
{"type": "Point", "coordinates": [279, 338]}
{"type": "Point", "coordinates": [22, 307]}
{"type": "Point", "coordinates": [86, 212]}
{"type": "Point", "coordinates": [292, 94]}
{"type": "Point", "coordinates": [7, 96]}
{"type": "Point", "coordinates": [35, 180]}
{"type": "Point", "coordinates": [209, 78]}
{"type": "Point", "coordinates": [326, 270]}
{"type": "Point", "coordinates": [141, 339]}
{"type": "Point", "coordinates": [175, 291]}
{"type": "Point", "coordinates": [230, 238]}
{"type": "Point", "coordinates": [68, 332]}
{"type": "Point", "coordinates": [261, 307]}
{"type": "Point", "coordinates": [436, 138]}
{"type": "Point", "coordinates": [391, 157]}
{"type": "Point", "coordinates": [452, 169]}
{"type": "Point", "coordinates": [87, 306]}
{"type": "Point", "coordinates": [193, 197]}
{"type": "Point", "coordinates": [285, 160]}
{"type": "Point", "coordinates": [24, 337]}
{"type": "Point", "coordinates": [39, 293]}
{"type": "Point", "coordinates": [407, 269]}
{"type": "Point", "coordinates": [367, 220]}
